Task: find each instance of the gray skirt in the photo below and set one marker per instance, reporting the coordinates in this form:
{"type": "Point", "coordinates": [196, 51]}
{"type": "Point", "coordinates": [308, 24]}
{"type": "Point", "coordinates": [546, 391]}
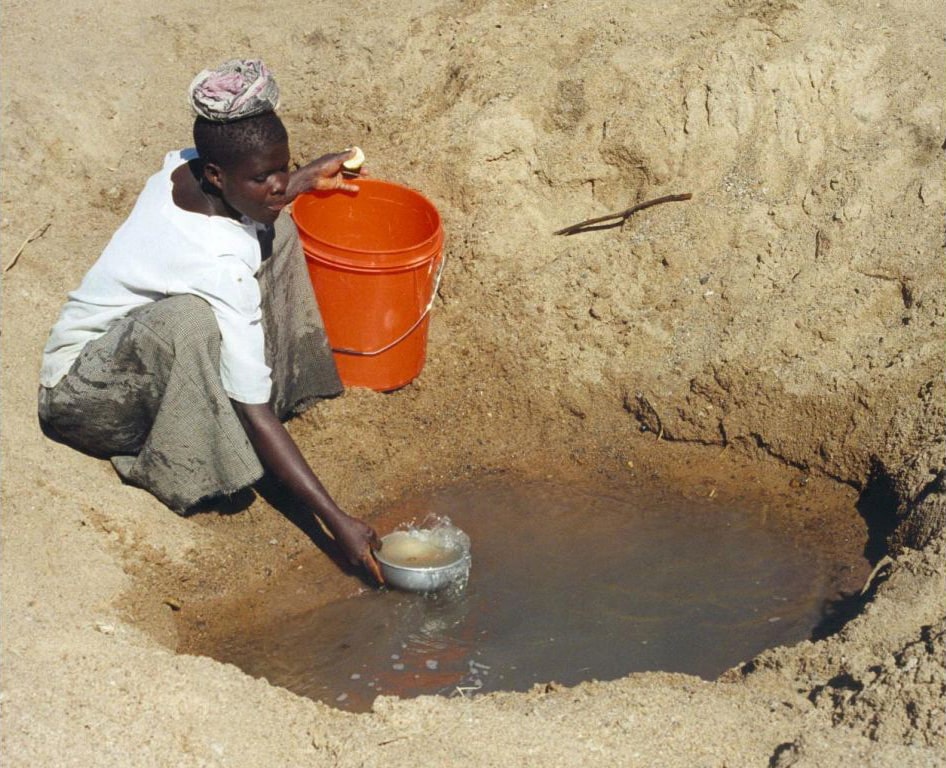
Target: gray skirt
{"type": "Point", "coordinates": [148, 393]}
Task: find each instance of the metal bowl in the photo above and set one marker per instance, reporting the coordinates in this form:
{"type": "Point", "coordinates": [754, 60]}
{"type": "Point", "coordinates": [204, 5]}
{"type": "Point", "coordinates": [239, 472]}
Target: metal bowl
{"type": "Point", "coordinates": [416, 564]}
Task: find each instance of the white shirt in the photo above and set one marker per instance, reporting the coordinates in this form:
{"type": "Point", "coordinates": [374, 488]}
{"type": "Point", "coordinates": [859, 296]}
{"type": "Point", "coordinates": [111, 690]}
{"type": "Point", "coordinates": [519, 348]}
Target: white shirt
{"type": "Point", "coordinates": [162, 250]}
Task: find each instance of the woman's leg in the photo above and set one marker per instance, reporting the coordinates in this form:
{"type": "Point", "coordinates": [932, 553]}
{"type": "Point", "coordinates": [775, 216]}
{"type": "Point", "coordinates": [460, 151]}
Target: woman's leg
{"type": "Point", "coordinates": [148, 394]}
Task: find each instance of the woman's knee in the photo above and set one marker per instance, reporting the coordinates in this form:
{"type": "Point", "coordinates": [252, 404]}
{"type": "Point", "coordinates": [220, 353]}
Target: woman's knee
{"type": "Point", "coordinates": [185, 323]}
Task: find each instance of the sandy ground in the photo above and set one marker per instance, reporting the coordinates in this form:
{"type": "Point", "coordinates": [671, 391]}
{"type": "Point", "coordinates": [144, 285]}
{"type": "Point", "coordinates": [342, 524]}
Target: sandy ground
{"type": "Point", "coordinates": [790, 315]}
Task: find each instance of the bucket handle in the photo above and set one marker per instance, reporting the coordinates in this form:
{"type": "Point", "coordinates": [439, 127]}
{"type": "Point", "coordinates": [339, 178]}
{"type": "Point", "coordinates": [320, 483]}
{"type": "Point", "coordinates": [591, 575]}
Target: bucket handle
{"type": "Point", "coordinates": [409, 331]}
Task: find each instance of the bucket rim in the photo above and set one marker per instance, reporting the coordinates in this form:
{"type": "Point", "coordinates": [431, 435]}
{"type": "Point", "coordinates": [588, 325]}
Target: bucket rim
{"type": "Point", "coordinates": [360, 266]}
{"type": "Point", "coordinates": [429, 245]}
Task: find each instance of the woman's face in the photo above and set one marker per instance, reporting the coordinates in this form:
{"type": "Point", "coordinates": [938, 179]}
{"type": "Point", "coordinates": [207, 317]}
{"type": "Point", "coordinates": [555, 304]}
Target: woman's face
{"type": "Point", "coordinates": [255, 186]}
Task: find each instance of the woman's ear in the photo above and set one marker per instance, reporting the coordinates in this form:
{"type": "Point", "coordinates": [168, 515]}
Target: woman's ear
{"type": "Point", "coordinates": [213, 175]}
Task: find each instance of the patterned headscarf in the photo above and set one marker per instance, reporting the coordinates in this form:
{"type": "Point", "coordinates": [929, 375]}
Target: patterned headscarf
{"type": "Point", "coordinates": [236, 89]}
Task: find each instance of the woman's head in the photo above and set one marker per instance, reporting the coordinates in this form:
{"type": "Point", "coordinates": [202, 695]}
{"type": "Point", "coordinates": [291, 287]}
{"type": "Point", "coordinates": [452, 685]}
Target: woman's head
{"type": "Point", "coordinates": [226, 144]}
{"type": "Point", "coordinates": [247, 162]}
{"type": "Point", "coordinates": [240, 139]}
{"type": "Point", "coordinates": [242, 142]}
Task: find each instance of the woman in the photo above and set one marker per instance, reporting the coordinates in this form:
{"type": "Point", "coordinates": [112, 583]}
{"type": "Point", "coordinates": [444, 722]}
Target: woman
{"type": "Point", "coordinates": [196, 332]}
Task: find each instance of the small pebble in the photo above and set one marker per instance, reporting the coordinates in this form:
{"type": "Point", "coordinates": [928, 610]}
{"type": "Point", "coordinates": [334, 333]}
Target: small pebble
{"type": "Point", "coordinates": [431, 664]}
{"type": "Point", "coordinates": [341, 697]}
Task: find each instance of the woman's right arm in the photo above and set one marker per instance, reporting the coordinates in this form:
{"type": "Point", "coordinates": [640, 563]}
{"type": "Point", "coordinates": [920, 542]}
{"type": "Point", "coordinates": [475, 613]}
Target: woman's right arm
{"type": "Point", "coordinates": [280, 455]}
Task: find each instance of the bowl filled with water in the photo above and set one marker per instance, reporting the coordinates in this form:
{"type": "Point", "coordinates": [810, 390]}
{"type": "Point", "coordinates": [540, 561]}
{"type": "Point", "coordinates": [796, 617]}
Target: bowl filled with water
{"type": "Point", "coordinates": [424, 559]}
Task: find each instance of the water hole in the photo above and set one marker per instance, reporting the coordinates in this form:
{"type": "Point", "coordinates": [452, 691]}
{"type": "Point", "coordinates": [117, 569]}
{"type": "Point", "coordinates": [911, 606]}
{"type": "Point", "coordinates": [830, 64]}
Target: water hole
{"type": "Point", "coordinates": [568, 583]}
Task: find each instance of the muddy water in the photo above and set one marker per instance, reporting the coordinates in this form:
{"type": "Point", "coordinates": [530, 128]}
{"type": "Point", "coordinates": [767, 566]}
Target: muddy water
{"type": "Point", "coordinates": [567, 584]}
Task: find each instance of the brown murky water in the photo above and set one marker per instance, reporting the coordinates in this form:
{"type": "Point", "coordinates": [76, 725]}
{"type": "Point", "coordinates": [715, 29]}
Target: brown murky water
{"type": "Point", "coordinates": [568, 583]}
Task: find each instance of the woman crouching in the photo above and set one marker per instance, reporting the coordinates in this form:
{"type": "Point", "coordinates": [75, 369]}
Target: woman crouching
{"type": "Point", "coordinates": [196, 333]}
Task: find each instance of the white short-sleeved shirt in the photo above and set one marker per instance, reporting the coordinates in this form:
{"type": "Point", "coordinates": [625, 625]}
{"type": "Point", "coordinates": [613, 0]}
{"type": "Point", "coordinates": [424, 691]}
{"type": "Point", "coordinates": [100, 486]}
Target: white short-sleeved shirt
{"type": "Point", "coordinates": [162, 250]}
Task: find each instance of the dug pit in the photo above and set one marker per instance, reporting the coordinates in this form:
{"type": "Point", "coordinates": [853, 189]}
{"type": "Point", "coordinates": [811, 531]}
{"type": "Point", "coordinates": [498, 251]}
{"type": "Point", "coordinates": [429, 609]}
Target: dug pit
{"type": "Point", "coordinates": [791, 312]}
{"type": "Point", "coordinates": [571, 581]}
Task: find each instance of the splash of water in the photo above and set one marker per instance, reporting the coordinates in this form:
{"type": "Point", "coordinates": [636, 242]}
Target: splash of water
{"type": "Point", "coordinates": [440, 531]}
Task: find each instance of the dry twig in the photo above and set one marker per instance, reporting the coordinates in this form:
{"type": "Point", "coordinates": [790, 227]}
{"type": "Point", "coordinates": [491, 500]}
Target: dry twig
{"type": "Point", "coordinates": [37, 233]}
{"type": "Point", "coordinates": [620, 217]}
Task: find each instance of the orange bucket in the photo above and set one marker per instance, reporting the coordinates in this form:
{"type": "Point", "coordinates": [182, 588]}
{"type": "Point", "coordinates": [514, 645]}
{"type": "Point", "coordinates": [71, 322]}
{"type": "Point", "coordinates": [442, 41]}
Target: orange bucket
{"type": "Point", "coordinates": [375, 258]}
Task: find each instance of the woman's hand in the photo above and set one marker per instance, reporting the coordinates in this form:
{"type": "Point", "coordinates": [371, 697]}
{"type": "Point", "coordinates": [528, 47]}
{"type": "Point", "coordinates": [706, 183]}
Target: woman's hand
{"type": "Point", "coordinates": [325, 172]}
{"type": "Point", "coordinates": [358, 540]}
